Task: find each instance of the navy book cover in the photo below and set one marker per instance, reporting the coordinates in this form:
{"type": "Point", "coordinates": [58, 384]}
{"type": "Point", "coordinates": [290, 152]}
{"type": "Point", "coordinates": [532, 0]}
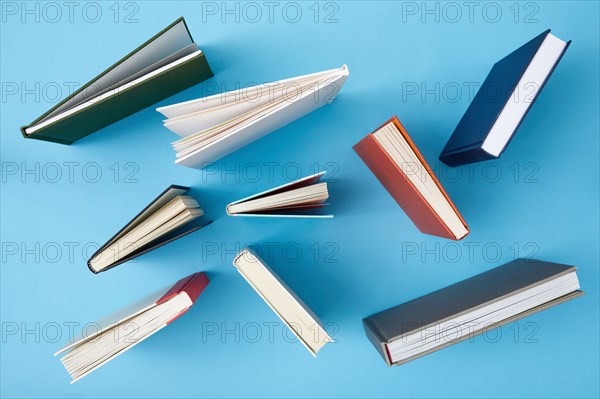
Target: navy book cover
{"type": "Point", "coordinates": [465, 144]}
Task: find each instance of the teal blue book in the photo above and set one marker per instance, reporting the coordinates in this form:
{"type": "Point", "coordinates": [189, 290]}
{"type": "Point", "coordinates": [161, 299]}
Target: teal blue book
{"type": "Point", "coordinates": [166, 64]}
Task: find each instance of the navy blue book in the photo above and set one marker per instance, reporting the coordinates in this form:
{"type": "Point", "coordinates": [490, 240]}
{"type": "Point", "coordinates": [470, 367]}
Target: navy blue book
{"type": "Point", "coordinates": [503, 100]}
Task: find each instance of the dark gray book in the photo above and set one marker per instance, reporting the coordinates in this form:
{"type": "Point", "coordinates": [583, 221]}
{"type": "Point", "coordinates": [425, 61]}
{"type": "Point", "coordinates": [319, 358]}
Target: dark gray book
{"type": "Point", "coordinates": [466, 309]}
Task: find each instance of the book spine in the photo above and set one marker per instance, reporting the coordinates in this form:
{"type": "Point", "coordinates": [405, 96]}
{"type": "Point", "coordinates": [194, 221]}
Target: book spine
{"type": "Point", "coordinates": [38, 136]}
{"type": "Point", "coordinates": [89, 265]}
{"type": "Point", "coordinates": [192, 285]}
{"type": "Point", "coordinates": [242, 253]}
{"type": "Point", "coordinates": [375, 336]}
{"type": "Point", "coordinates": [466, 156]}
{"type": "Point", "coordinates": [196, 285]}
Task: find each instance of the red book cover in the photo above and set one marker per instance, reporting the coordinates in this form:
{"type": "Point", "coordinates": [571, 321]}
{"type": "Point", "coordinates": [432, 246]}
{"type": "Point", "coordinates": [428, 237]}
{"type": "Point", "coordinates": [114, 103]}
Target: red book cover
{"type": "Point", "coordinates": [400, 187]}
{"type": "Point", "coordinates": [192, 285]}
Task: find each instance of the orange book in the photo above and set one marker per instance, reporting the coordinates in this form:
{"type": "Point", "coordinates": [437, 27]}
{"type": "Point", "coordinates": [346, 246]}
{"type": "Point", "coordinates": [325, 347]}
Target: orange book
{"type": "Point", "coordinates": [397, 163]}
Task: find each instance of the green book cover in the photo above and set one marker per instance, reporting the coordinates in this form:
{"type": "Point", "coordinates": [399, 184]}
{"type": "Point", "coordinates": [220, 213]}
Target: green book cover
{"type": "Point", "coordinates": [118, 101]}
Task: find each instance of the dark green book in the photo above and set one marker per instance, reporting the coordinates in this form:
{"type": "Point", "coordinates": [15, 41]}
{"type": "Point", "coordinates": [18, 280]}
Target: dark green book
{"type": "Point", "coordinates": [164, 65]}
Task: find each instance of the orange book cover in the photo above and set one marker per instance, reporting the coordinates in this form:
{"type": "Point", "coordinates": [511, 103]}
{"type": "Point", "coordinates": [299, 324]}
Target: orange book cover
{"type": "Point", "coordinates": [399, 186]}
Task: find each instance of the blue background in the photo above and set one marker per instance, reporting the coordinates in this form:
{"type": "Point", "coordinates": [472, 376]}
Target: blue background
{"type": "Point", "coordinates": [541, 200]}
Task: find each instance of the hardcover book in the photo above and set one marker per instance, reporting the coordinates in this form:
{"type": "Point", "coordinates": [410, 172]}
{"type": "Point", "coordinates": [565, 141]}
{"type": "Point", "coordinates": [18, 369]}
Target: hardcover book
{"type": "Point", "coordinates": [297, 199]}
{"type": "Point", "coordinates": [503, 100]}
{"type": "Point", "coordinates": [466, 309]}
{"type": "Point", "coordinates": [122, 331]}
{"type": "Point", "coordinates": [395, 160]}
{"type": "Point", "coordinates": [167, 218]}
{"type": "Point", "coordinates": [218, 125]}
{"type": "Point", "coordinates": [305, 325]}
{"type": "Point", "coordinates": [164, 65]}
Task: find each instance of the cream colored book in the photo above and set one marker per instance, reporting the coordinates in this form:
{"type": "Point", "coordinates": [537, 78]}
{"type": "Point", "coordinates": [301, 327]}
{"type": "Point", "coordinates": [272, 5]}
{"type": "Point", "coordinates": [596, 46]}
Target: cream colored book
{"type": "Point", "coordinates": [305, 325]}
{"type": "Point", "coordinates": [215, 126]}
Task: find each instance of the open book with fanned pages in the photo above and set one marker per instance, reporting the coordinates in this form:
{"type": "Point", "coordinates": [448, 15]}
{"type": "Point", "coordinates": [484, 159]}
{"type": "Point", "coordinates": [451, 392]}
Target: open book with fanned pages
{"type": "Point", "coordinates": [215, 126]}
{"type": "Point", "coordinates": [121, 331]}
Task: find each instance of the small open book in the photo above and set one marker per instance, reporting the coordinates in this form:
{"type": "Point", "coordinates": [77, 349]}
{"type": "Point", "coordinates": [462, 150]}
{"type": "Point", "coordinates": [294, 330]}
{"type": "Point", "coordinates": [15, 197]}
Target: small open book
{"type": "Point", "coordinates": [395, 160]}
{"type": "Point", "coordinates": [122, 331]}
{"type": "Point", "coordinates": [215, 126]}
{"type": "Point", "coordinates": [164, 65]}
{"type": "Point", "coordinates": [305, 325]}
{"type": "Point", "coordinates": [300, 199]}
{"type": "Point", "coordinates": [159, 223]}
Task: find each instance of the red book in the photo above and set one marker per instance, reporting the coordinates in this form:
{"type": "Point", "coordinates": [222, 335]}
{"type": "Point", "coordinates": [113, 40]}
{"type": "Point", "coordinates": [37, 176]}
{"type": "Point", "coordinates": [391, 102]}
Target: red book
{"type": "Point", "coordinates": [397, 163]}
{"type": "Point", "coordinates": [122, 331]}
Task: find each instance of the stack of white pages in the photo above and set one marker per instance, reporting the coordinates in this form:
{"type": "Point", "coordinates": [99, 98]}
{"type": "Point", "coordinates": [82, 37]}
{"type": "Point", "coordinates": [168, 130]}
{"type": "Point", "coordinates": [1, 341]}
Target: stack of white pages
{"type": "Point", "coordinates": [297, 199]}
{"type": "Point", "coordinates": [116, 334]}
{"type": "Point", "coordinates": [215, 126]}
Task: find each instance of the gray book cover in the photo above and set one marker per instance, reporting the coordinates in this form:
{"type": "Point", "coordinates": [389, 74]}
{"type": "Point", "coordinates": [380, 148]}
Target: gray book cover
{"type": "Point", "coordinates": [465, 296]}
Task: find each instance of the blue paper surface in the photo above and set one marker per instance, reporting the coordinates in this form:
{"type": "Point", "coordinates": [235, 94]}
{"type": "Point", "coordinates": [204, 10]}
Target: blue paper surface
{"type": "Point", "coordinates": [420, 61]}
